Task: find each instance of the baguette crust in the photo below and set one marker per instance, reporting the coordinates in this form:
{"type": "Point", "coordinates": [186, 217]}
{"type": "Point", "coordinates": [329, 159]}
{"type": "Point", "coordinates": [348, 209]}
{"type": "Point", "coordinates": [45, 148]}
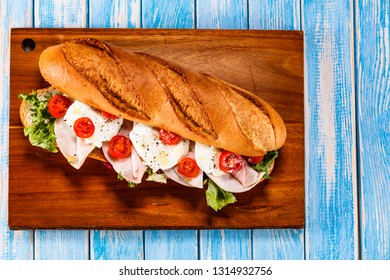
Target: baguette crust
{"type": "Point", "coordinates": [144, 88]}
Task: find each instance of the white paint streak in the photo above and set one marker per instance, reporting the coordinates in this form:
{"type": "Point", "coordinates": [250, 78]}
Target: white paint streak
{"type": "Point", "coordinates": [354, 146]}
{"type": "Point", "coordinates": [135, 13]}
{"type": "Point", "coordinates": [326, 89]}
{"type": "Point", "coordinates": [223, 245]}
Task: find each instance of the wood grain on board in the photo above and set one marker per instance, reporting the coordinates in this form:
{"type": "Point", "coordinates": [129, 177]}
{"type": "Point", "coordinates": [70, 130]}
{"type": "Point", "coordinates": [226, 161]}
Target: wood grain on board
{"type": "Point", "coordinates": [269, 63]}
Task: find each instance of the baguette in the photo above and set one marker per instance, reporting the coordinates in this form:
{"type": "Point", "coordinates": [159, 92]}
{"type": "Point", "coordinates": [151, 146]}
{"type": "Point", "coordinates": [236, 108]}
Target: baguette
{"type": "Point", "coordinates": [147, 89]}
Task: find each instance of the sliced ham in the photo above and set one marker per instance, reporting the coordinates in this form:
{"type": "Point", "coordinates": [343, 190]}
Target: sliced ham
{"type": "Point", "coordinates": [241, 181]}
{"type": "Point", "coordinates": [130, 168]}
{"type": "Point", "coordinates": [174, 174]}
{"type": "Point", "coordinates": [247, 175]}
{"type": "Point", "coordinates": [74, 149]}
{"type": "Point", "coordinates": [230, 183]}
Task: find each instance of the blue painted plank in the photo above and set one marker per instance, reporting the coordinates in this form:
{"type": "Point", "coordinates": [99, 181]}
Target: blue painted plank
{"type": "Point", "coordinates": [224, 14]}
{"type": "Point", "coordinates": [331, 228]}
{"type": "Point", "coordinates": [115, 13]}
{"type": "Point", "coordinates": [282, 244]}
{"type": "Point", "coordinates": [169, 244]}
{"type": "Point", "coordinates": [168, 14]}
{"type": "Point", "coordinates": [116, 245]}
{"type": "Point", "coordinates": [13, 244]}
{"type": "Point", "coordinates": [373, 116]}
{"type": "Point", "coordinates": [223, 244]}
{"type": "Point", "coordinates": [61, 245]}
{"type": "Point", "coordinates": [60, 13]}
{"type": "Point", "coordinates": [112, 244]}
{"type": "Point", "coordinates": [53, 244]}
{"type": "Point", "coordinates": [278, 244]}
{"type": "Point", "coordinates": [274, 14]}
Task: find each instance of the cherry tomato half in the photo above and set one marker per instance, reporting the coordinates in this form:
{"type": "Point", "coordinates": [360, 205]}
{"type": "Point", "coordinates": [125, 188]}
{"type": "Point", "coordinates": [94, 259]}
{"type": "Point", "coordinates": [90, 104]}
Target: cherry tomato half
{"type": "Point", "coordinates": [84, 127]}
{"type": "Point", "coordinates": [58, 105]}
{"type": "Point", "coordinates": [169, 137]}
{"type": "Point", "coordinates": [230, 162]}
{"type": "Point", "coordinates": [119, 146]}
{"type": "Point", "coordinates": [255, 160]}
{"type": "Point", "coordinates": [108, 115]}
{"type": "Point", "coordinates": [188, 167]}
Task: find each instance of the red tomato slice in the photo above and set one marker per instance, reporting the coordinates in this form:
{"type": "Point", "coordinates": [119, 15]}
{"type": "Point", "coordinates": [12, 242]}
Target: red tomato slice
{"type": "Point", "coordinates": [58, 105]}
{"type": "Point", "coordinates": [188, 167]}
{"type": "Point", "coordinates": [169, 137]}
{"type": "Point", "coordinates": [108, 115]}
{"type": "Point", "coordinates": [119, 146]}
{"type": "Point", "coordinates": [255, 160]}
{"type": "Point", "coordinates": [230, 162]}
{"type": "Point", "coordinates": [84, 127]}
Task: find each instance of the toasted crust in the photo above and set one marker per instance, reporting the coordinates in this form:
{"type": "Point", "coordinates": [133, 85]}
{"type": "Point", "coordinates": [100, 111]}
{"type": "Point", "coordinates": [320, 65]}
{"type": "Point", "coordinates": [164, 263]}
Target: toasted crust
{"type": "Point", "coordinates": [144, 88]}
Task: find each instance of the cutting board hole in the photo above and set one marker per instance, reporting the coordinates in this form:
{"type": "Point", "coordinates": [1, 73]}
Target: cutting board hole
{"type": "Point", "coordinates": [28, 45]}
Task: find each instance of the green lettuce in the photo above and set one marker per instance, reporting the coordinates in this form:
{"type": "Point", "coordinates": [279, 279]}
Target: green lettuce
{"type": "Point", "coordinates": [41, 132]}
{"type": "Point", "coordinates": [264, 165]}
{"type": "Point", "coordinates": [218, 198]}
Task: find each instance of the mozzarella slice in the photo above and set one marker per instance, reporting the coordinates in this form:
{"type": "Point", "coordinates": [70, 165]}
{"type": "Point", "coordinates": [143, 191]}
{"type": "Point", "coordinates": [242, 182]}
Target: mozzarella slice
{"type": "Point", "coordinates": [130, 168]}
{"type": "Point", "coordinates": [207, 158]}
{"type": "Point", "coordinates": [175, 175]}
{"type": "Point", "coordinates": [153, 151]}
{"type": "Point", "coordinates": [105, 128]}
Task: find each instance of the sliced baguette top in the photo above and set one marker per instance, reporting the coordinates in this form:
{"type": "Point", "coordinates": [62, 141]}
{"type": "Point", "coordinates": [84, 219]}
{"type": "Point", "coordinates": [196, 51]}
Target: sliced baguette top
{"type": "Point", "coordinates": [148, 89]}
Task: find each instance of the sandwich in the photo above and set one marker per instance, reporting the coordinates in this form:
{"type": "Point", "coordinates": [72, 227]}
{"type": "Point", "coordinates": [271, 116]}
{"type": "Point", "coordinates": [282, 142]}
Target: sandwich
{"type": "Point", "coordinates": [151, 119]}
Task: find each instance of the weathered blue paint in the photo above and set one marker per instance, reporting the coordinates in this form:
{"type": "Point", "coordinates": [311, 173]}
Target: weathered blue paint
{"type": "Point", "coordinates": [331, 228]}
{"type": "Point", "coordinates": [168, 14]}
{"type": "Point", "coordinates": [116, 245]}
{"type": "Point", "coordinates": [278, 244]}
{"type": "Point", "coordinates": [225, 245]}
{"type": "Point", "coordinates": [274, 14]}
{"type": "Point", "coordinates": [60, 13]}
{"type": "Point", "coordinates": [171, 244]}
{"type": "Point", "coordinates": [112, 14]}
{"type": "Point", "coordinates": [61, 245]}
{"type": "Point", "coordinates": [373, 117]}
{"type": "Point", "coordinates": [223, 14]}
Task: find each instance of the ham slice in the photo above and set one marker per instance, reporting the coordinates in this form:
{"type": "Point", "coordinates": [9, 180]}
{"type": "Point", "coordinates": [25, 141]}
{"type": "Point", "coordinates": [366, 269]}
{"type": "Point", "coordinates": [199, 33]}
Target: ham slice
{"type": "Point", "coordinates": [130, 168]}
{"type": "Point", "coordinates": [74, 149]}
{"type": "Point", "coordinates": [241, 181]}
{"type": "Point", "coordinates": [174, 174]}
{"type": "Point", "coordinates": [230, 183]}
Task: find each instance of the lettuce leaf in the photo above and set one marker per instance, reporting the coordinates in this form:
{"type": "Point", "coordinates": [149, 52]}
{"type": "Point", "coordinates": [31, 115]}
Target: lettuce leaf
{"type": "Point", "coordinates": [218, 198]}
{"type": "Point", "coordinates": [264, 165]}
{"type": "Point", "coordinates": [41, 133]}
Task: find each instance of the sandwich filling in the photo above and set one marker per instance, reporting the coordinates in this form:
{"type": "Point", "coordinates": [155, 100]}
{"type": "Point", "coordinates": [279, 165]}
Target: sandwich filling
{"type": "Point", "coordinates": [135, 150]}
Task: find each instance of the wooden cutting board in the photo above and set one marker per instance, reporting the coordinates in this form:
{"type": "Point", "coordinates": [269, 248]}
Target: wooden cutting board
{"type": "Point", "coordinates": [46, 192]}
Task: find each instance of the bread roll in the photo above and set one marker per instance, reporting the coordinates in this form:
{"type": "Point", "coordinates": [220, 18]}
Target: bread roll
{"type": "Point", "coordinates": [144, 88]}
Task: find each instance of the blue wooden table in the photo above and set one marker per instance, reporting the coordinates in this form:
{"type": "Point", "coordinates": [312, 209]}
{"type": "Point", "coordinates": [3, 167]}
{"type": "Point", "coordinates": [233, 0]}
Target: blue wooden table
{"type": "Point", "coordinates": [347, 128]}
